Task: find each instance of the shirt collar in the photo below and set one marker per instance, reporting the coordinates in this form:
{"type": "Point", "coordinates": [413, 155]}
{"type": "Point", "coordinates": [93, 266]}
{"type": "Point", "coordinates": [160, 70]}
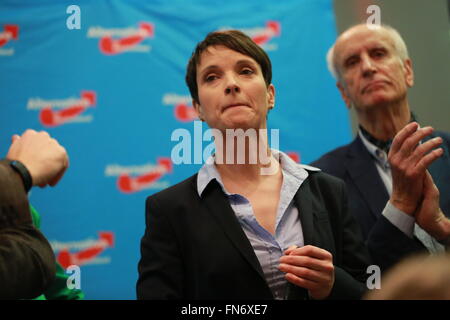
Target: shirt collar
{"type": "Point", "coordinates": [208, 171]}
{"type": "Point", "coordinates": [377, 148]}
{"type": "Point", "coordinates": [379, 154]}
{"type": "Point", "coordinates": [380, 144]}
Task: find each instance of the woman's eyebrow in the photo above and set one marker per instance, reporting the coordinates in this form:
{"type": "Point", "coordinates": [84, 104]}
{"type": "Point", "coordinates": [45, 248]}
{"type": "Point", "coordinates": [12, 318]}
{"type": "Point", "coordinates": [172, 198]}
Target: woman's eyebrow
{"type": "Point", "coordinates": [208, 68]}
{"type": "Point", "coordinates": [245, 61]}
{"type": "Point", "coordinates": [238, 63]}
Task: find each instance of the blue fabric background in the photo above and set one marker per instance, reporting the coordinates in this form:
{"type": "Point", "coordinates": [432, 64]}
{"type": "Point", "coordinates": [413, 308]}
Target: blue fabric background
{"type": "Point", "coordinates": [129, 127]}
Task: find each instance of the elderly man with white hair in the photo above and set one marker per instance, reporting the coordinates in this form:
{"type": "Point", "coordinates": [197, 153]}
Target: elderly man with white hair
{"type": "Point", "coordinates": [397, 172]}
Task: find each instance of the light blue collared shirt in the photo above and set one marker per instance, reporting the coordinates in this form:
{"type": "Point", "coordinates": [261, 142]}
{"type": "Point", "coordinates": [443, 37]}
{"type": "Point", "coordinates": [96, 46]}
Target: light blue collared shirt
{"type": "Point", "coordinates": [288, 229]}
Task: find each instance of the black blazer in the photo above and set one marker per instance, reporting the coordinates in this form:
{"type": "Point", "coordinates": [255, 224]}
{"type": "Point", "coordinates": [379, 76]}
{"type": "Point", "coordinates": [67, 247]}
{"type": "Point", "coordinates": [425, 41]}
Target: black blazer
{"type": "Point", "coordinates": [368, 196]}
{"type": "Point", "coordinates": [195, 248]}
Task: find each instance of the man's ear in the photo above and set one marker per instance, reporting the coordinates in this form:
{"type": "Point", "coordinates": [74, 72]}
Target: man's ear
{"type": "Point", "coordinates": [409, 73]}
{"type": "Point", "coordinates": [198, 110]}
{"type": "Point", "coordinates": [271, 96]}
{"type": "Point", "coordinates": [344, 95]}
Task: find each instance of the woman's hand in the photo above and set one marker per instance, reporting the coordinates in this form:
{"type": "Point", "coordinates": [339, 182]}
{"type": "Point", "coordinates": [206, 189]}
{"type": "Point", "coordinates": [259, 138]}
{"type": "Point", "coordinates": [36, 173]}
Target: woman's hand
{"type": "Point", "coordinates": [311, 268]}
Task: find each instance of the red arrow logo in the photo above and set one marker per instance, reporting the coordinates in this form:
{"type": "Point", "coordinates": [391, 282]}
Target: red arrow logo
{"type": "Point", "coordinates": [127, 184]}
{"type": "Point", "coordinates": [110, 46]}
{"type": "Point", "coordinates": [273, 29]}
{"type": "Point", "coordinates": [11, 32]}
{"type": "Point", "coordinates": [294, 156]}
{"type": "Point", "coordinates": [185, 113]}
{"type": "Point", "coordinates": [66, 258]}
{"type": "Point", "coordinates": [51, 118]}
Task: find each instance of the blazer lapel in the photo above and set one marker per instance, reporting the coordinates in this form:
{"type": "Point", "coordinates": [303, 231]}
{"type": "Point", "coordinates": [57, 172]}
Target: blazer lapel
{"type": "Point", "coordinates": [304, 204]}
{"type": "Point", "coordinates": [363, 172]}
{"type": "Point", "coordinates": [221, 210]}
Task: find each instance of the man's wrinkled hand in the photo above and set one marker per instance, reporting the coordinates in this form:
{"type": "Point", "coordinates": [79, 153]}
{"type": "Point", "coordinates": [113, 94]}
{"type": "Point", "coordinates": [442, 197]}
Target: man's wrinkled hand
{"type": "Point", "coordinates": [409, 161]}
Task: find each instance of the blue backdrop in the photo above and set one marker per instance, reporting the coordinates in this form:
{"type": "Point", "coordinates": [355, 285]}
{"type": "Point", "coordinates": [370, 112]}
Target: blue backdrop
{"type": "Point", "coordinates": [113, 92]}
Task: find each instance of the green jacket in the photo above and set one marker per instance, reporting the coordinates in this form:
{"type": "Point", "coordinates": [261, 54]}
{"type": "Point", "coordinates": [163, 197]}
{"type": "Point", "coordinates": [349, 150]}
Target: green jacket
{"type": "Point", "coordinates": [58, 290]}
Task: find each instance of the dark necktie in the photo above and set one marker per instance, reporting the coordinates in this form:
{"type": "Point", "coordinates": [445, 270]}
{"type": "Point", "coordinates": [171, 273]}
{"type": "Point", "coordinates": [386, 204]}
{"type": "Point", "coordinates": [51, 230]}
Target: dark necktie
{"type": "Point", "coordinates": [383, 145]}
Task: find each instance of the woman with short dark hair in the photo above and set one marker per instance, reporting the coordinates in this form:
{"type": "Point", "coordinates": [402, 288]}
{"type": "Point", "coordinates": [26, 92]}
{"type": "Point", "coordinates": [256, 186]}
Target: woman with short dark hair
{"type": "Point", "coordinates": [252, 223]}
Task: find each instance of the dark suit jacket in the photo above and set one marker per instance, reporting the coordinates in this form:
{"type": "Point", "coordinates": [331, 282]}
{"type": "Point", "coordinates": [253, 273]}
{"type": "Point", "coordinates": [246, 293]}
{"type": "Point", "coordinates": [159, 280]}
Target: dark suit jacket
{"type": "Point", "coordinates": [368, 197]}
{"type": "Point", "coordinates": [195, 248]}
{"type": "Point", "coordinates": [27, 262]}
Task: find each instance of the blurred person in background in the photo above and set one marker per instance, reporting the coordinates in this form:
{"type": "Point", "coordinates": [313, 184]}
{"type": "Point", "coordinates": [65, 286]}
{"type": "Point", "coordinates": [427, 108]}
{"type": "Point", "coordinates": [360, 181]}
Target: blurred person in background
{"type": "Point", "coordinates": [420, 277]}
